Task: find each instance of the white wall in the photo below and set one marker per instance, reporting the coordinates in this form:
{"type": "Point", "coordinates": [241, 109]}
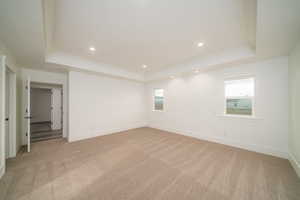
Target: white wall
{"type": "Point", "coordinates": [40, 104]}
{"type": "Point", "coordinates": [101, 105]}
{"type": "Point", "coordinates": [194, 106]}
{"type": "Point", "coordinates": [10, 59]}
{"type": "Point", "coordinates": [50, 78]}
{"type": "Point", "coordinates": [294, 86]}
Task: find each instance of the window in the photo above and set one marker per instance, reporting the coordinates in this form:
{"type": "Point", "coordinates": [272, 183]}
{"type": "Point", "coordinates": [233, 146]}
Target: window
{"type": "Point", "coordinates": [239, 96]}
{"type": "Point", "coordinates": [158, 99]}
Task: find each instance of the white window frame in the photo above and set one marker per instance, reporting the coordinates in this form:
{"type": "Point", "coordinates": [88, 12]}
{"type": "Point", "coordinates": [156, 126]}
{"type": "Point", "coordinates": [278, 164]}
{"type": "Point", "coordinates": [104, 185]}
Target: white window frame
{"type": "Point", "coordinates": [153, 99]}
{"type": "Point", "coordinates": [241, 97]}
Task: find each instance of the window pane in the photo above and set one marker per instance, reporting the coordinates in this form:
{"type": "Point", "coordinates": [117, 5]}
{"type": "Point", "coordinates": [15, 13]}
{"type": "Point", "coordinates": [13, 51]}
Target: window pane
{"type": "Point", "coordinates": [239, 106]}
{"type": "Point", "coordinates": [239, 88]}
{"type": "Point", "coordinates": [159, 104]}
{"type": "Point", "coordinates": [159, 92]}
{"type": "Point", "coordinates": [158, 99]}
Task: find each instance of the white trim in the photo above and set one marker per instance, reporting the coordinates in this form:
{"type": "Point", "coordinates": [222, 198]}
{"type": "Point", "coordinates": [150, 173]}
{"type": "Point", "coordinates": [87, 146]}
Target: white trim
{"type": "Point", "coordinates": [63, 88]}
{"type": "Point", "coordinates": [212, 62]}
{"type": "Point", "coordinates": [295, 164]}
{"type": "Point", "coordinates": [158, 111]}
{"type": "Point", "coordinates": [26, 106]}
{"type": "Point", "coordinates": [51, 111]}
{"type": "Point", "coordinates": [240, 117]}
{"type": "Point", "coordinates": [81, 64]}
{"type": "Point", "coordinates": [108, 131]}
{"type": "Point", "coordinates": [2, 171]}
{"type": "Point", "coordinates": [251, 147]}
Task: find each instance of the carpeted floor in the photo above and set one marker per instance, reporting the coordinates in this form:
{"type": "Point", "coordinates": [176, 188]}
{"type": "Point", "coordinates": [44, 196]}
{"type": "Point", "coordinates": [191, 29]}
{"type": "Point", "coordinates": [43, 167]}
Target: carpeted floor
{"type": "Point", "coordinates": [144, 164]}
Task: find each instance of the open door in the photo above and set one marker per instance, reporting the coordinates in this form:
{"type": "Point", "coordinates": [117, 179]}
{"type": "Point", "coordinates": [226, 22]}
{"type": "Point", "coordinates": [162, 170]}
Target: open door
{"type": "Point", "coordinates": [2, 115]}
{"type": "Point", "coordinates": [7, 115]}
{"type": "Point", "coordinates": [56, 109]}
{"type": "Point", "coordinates": [27, 112]}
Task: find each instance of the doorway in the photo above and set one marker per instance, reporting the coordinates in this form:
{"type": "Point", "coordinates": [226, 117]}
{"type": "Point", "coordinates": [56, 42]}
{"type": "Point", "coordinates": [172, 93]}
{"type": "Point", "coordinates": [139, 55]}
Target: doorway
{"type": "Point", "coordinates": [46, 109]}
{"type": "Point", "coordinates": [8, 141]}
{"type": "Point", "coordinates": [10, 113]}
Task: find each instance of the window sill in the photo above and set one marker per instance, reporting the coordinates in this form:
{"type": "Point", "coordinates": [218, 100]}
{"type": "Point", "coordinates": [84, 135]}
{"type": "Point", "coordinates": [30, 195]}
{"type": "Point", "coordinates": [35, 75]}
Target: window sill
{"type": "Point", "coordinates": [157, 110]}
{"type": "Point", "coordinates": [239, 117]}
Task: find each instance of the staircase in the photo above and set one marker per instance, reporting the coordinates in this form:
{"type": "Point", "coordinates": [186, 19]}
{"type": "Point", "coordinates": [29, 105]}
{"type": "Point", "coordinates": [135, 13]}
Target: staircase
{"type": "Point", "coordinates": [41, 131]}
{"type": "Point", "coordinates": [45, 135]}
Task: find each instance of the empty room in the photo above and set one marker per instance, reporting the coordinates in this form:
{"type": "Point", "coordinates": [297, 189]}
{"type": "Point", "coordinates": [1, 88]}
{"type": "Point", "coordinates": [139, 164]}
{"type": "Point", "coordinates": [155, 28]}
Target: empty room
{"type": "Point", "coordinates": [150, 100]}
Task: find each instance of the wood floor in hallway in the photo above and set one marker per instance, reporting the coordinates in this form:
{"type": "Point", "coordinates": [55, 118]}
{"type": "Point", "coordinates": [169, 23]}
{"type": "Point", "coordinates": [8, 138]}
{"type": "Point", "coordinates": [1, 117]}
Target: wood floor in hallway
{"type": "Point", "coordinates": [144, 164]}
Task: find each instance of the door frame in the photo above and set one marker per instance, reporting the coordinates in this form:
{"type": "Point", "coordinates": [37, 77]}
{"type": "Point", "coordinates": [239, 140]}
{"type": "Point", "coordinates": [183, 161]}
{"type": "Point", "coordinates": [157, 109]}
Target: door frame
{"type": "Point", "coordinates": [12, 77]}
{"type": "Point", "coordinates": [51, 86]}
{"type": "Point", "coordinates": [2, 115]}
{"type": "Point", "coordinates": [12, 114]}
{"type": "Point", "coordinates": [49, 81]}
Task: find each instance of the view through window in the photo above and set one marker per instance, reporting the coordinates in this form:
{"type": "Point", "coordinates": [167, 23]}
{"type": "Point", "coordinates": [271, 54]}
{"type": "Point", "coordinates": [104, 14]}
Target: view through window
{"type": "Point", "coordinates": [239, 96]}
{"type": "Point", "coordinates": [158, 99]}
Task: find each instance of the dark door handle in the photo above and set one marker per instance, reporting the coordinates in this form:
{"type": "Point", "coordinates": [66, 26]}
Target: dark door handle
{"type": "Point", "coordinates": [28, 117]}
{"type": "Point", "coordinates": [6, 119]}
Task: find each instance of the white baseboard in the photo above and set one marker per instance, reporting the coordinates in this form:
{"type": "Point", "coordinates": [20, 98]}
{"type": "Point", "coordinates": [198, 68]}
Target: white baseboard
{"type": "Point", "coordinates": [250, 147]}
{"type": "Point", "coordinates": [2, 171]}
{"type": "Point", "coordinates": [107, 132]}
{"type": "Point", "coordinates": [295, 164]}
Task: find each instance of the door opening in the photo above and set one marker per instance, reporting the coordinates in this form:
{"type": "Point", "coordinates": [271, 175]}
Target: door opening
{"type": "Point", "coordinates": [46, 112]}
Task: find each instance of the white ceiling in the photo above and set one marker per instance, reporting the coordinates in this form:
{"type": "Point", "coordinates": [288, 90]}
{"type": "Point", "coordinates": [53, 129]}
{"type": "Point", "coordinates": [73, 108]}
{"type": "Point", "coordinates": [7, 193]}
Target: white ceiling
{"type": "Point", "coordinates": [56, 34]}
{"type": "Point", "coordinates": [161, 33]}
{"type": "Point", "coordinates": [21, 29]}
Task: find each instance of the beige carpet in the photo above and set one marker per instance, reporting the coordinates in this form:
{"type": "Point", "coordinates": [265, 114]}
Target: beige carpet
{"type": "Point", "coordinates": [146, 164]}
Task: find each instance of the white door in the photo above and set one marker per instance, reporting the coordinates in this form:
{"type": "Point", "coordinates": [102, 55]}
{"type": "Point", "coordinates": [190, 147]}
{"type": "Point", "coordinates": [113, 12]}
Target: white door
{"type": "Point", "coordinates": [56, 112]}
{"type": "Point", "coordinates": [2, 115]}
{"type": "Point", "coordinates": [27, 115]}
{"type": "Point", "coordinates": [7, 118]}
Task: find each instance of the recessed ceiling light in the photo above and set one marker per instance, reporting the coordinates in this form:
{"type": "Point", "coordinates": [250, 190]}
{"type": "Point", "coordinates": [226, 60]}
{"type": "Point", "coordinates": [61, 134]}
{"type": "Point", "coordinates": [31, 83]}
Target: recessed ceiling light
{"type": "Point", "coordinates": [200, 44]}
{"type": "Point", "coordinates": [92, 49]}
{"type": "Point", "coordinates": [144, 66]}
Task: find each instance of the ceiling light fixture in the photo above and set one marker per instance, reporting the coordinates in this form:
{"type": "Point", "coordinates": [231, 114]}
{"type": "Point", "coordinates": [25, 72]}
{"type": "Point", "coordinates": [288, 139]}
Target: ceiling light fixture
{"type": "Point", "coordinates": [92, 49]}
{"type": "Point", "coordinates": [200, 44]}
{"type": "Point", "coordinates": [144, 66]}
